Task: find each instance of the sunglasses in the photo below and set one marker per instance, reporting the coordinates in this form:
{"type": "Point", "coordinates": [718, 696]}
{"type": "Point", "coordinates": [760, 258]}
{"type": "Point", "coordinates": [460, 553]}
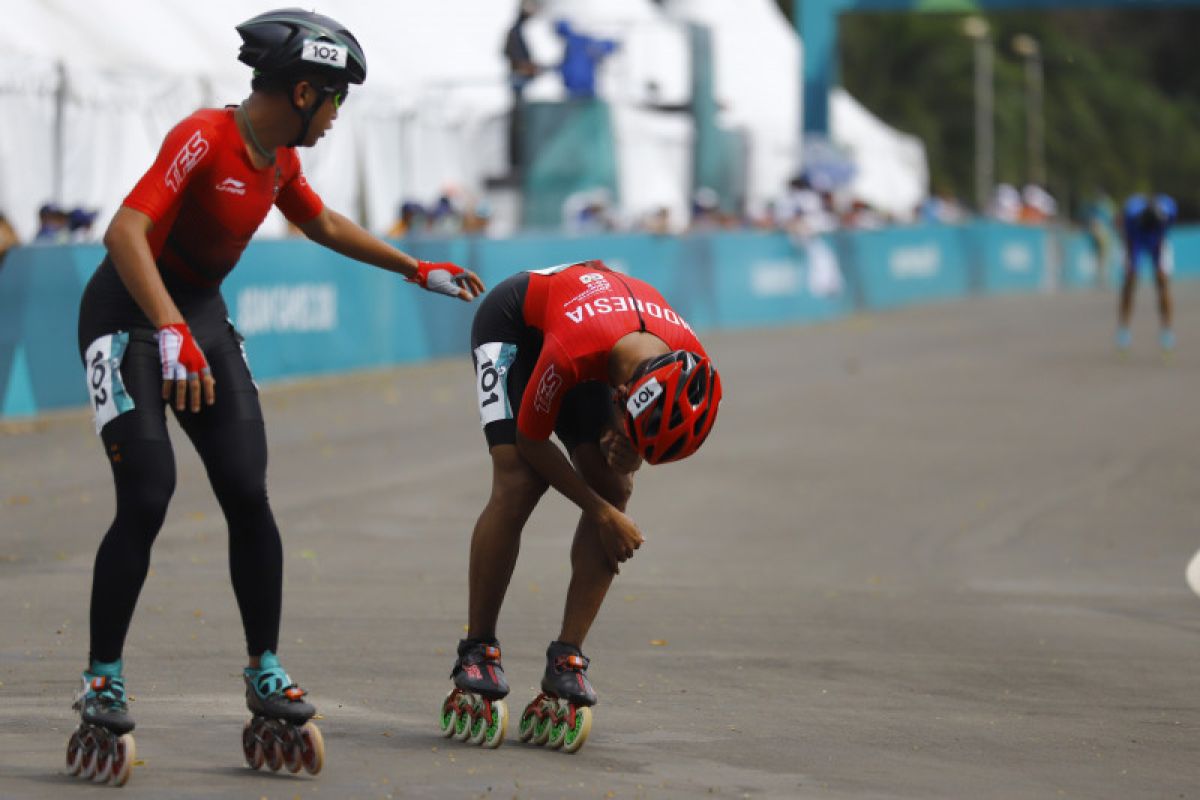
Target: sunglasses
{"type": "Point", "coordinates": [338, 93]}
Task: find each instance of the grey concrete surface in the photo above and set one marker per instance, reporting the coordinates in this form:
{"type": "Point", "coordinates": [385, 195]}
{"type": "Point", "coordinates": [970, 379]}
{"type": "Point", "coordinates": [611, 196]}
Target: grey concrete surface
{"type": "Point", "coordinates": [935, 553]}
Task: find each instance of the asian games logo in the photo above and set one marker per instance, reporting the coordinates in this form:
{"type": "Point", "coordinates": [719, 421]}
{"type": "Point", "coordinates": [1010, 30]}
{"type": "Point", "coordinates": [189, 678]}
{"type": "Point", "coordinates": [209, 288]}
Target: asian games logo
{"type": "Point", "coordinates": [186, 160]}
{"type": "Point", "coordinates": [547, 388]}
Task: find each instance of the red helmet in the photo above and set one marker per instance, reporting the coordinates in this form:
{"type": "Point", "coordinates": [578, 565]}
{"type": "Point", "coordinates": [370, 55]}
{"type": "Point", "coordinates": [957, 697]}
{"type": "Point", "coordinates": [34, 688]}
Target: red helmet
{"type": "Point", "coordinates": [671, 405]}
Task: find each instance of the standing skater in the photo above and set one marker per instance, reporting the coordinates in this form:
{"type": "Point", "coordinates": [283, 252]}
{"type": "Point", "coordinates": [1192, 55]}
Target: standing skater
{"type": "Point", "coordinates": [601, 360]}
{"type": "Point", "coordinates": [154, 329]}
{"type": "Point", "coordinates": [1145, 222]}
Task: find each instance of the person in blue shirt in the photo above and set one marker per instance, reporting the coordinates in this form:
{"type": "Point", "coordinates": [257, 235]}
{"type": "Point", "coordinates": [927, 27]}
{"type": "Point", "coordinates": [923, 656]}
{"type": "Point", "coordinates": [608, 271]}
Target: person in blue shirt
{"type": "Point", "coordinates": [1145, 221]}
{"type": "Point", "coordinates": [581, 55]}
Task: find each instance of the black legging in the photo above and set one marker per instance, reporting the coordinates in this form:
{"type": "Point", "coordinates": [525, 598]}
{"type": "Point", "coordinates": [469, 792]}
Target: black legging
{"type": "Point", "coordinates": [231, 440]}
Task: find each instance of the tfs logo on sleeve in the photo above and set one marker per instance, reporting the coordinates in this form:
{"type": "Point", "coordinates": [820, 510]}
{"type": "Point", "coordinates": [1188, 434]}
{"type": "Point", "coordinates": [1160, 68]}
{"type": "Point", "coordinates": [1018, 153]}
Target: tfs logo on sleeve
{"type": "Point", "coordinates": [186, 160]}
{"type": "Point", "coordinates": [333, 55]}
{"type": "Point", "coordinates": [547, 388]}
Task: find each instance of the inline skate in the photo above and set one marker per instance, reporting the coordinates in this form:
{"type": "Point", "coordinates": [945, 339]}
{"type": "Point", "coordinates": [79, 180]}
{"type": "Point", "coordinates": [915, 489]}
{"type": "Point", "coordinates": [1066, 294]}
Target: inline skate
{"type": "Point", "coordinates": [102, 748]}
{"type": "Point", "coordinates": [561, 716]}
{"type": "Point", "coordinates": [280, 734]}
{"type": "Point", "coordinates": [474, 711]}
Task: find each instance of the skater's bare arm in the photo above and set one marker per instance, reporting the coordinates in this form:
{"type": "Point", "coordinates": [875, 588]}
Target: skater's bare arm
{"type": "Point", "coordinates": [619, 534]}
{"type": "Point", "coordinates": [549, 462]}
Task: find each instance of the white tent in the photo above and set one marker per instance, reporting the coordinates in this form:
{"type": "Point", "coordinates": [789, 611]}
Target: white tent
{"type": "Point", "coordinates": [88, 89]}
{"type": "Point", "coordinates": [430, 117]}
{"type": "Point", "coordinates": [892, 174]}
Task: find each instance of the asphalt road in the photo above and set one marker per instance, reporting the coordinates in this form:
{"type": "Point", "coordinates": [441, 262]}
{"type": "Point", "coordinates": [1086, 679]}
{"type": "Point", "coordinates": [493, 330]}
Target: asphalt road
{"type": "Point", "coordinates": [934, 553]}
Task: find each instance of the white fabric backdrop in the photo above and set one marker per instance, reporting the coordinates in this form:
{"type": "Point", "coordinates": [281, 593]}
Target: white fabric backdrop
{"type": "Point", "coordinates": [892, 171]}
{"type": "Point", "coordinates": [757, 75]}
{"type": "Point", "coordinates": [27, 104]}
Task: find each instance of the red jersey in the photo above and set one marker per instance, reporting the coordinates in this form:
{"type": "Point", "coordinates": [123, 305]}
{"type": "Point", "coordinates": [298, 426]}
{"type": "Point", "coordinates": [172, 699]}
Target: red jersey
{"type": "Point", "coordinates": [582, 310]}
{"type": "Point", "coordinates": [207, 199]}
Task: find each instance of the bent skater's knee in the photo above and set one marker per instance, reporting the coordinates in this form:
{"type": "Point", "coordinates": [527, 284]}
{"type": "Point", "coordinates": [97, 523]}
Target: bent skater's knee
{"type": "Point", "coordinates": [516, 487]}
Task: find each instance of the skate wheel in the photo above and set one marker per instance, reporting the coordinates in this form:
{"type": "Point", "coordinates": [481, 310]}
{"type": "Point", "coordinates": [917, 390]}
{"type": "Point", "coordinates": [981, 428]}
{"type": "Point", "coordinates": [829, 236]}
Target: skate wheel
{"type": "Point", "coordinates": [104, 758]}
{"type": "Point", "coordinates": [465, 718]}
{"type": "Point", "coordinates": [292, 749]}
{"type": "Point", "coordinates": [87, 757]}
{"type": "Point", "coordinates": [575, 736]}
{"type": "Point", "coordinates": [526, 725]}
{"type": "Point", "coordinates": [490, 735]}
{"type": "Point", "coordinates": [251, 748]}
{"type": "Point", "coordinates": [74, 754]}
{"type": "Point", "coordinates": [273, 753]}
{"type": "Point", "coordinates": [449, 717]}
{"type": "Point", "coordinates": [558, 732]}
{"type": "Point", "coordinates": [312, 748]}
{"type": "Point", "coordinates": [545, 722]}
{"type": "Point", "coordinates": [124, 754]}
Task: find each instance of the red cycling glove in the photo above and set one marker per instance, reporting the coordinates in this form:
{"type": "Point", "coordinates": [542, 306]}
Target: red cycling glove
{"type": "Point", "coordinates": [441, 277]}
{"type": "Point", "coordinates": [181, 358]}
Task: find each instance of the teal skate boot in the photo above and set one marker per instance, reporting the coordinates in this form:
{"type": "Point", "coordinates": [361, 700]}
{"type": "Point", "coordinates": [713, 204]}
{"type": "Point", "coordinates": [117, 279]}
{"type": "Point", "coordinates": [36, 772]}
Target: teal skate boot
{"type": "Point", "coordinates": [1124, 340]}
{"type": "Point", "coordinates": [281, 733]}
{"type": "Point", "coordinates": [102, 748]}
{"type": "Point", "coordinates": [1166, 341]}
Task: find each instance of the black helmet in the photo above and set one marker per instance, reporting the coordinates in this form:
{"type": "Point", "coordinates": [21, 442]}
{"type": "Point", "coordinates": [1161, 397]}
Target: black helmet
{"type": "Point", "coordinates": [292, 40]}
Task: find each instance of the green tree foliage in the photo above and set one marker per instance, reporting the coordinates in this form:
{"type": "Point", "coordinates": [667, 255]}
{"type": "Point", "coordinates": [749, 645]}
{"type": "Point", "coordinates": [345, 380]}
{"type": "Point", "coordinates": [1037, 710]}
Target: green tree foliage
{"type": "Point", "coordinates": [1122, 96]}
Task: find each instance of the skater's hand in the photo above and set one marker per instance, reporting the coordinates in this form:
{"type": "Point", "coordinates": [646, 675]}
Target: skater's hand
{"type": "Point", "coordinates": [185, 370]}
{"type": "Point", "coordinates": [619, 452]}
{"type": "Point", "coordinates": [619, 536]}
{"type": "Point", "coordinates": [448, 279]}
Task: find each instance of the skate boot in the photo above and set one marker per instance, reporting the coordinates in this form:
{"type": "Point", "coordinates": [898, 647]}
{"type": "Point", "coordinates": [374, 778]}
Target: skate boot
{"type": "Point", "coordinates": [280, 735]}
{"type": "Point", "coordinates": [102, 748]}
{"type": "Point", "coordinates": [561, 716]}
{"type": "Point", "coordinates": [474, 711]}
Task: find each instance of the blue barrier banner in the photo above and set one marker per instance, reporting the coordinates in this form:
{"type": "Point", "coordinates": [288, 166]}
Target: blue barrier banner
{"type": "Point", "coordinates": [769, 279]}
{"type": "Point", "coordinates": [1013, 257]}
{"type": "Point", "coordinates": [900, 266]}
{"type": "Point", "coordinates": [40, 364]}
{"type": "Point", "coordinates": [305, 310]}
{"type": "Point", "coordinates": [1185, 249]}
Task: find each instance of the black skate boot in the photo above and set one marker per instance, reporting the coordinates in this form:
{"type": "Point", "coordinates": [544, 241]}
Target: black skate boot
{"type": "Point", "coordinates": [280, 734]}
{"type": "Point", "coordinates": [474, 711]}
{"type": "Point", "coordinates": [561, 716]}
{"type": "Point", "coordinates": [102, 748]}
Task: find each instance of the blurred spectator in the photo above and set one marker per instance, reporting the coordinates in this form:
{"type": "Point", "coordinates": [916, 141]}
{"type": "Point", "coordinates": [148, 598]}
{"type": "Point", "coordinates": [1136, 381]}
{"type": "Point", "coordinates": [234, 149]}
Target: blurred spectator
{"type": "Point", "coordinates": [1006, 203]}
{"type": "Point", "coordinates": [79, 223]}
{"type": "Point", "coordinates": [706, 209]}
{"type": "Point", "coordinates": [807, 211]}
{"type": "Point", "coordinates": [1037, 205]}
{"type": "Point", "coordinates": [657, 222]}
{"type": "Point", "coordinates": [476, 218]}
{"type": "Point", "coordinates": [410, 221]}
{"type": "Point", "coordinates": [8, 237]}
{"type": "Point", "coordinates": [1099, 215]}
{"type": "Point", "coordinates": [942, 208]}
{"type": "Point", "coordinates": [581, 55]}
{"type": "Point", "coordinates": [53, 225]}
{"type": "Point", "coordinates": [445, 217]}
{"type": "Point", "coordinates": [767, 218]}
{"type": "Point", "coordinates": [521, 67]}
{"type": "Point", "coordinates": [862, 217]}
{"type": "Point", "coordinates": [521, 70]}
{"type": "Point", "coordinates": [588, 211]}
